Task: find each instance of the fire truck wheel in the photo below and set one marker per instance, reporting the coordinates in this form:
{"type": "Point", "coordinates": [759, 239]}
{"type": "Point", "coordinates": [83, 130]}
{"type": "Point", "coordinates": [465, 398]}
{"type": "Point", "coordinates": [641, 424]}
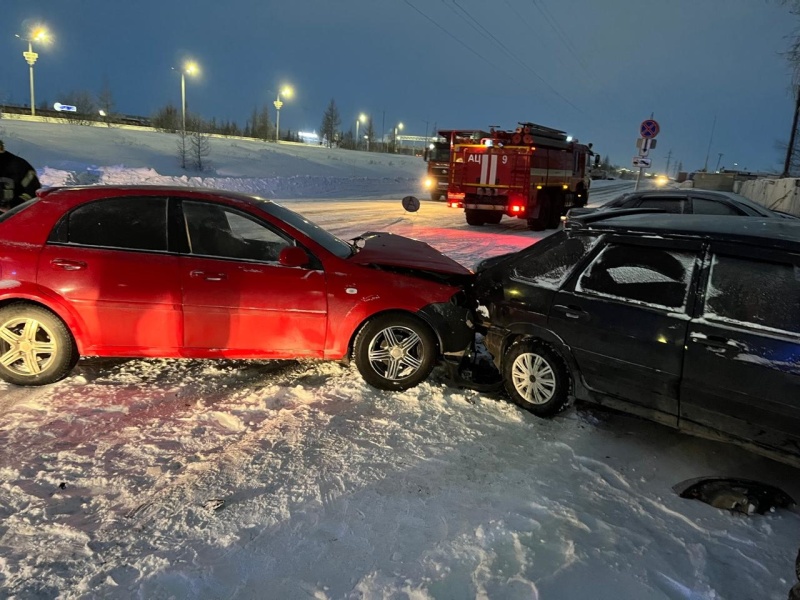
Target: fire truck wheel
{"type": "Point", "coordinates": [475, 218]}
{"type": "Point", "coordinates": [540, 222]}
{"type": "Point", "coordinates": [556, 209]}
{"type": "Point", "coordinates": [581, 201]}
{"type": "Point", "coordinates": [493, 218]}
{"type": "Point", "coordinates": [436, 196]}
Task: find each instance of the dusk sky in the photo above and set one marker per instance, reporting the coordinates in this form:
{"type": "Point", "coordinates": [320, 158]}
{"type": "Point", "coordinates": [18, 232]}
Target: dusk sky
{"type": "Point", "coordinates": [594, 69]}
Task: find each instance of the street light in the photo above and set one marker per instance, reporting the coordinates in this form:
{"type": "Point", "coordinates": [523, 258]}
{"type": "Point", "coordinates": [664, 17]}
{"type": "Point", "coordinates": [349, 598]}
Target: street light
{"type": "Point", "coordinates": [287, 93]}
{"type": "Point", "coordinates": [40, 35]}
{"type": "Point", "coordinates": [400, 128]}
{"type": "Point", "coordinates": [189, 68]}
{"type": "Point", "coordinates": [362, 118]}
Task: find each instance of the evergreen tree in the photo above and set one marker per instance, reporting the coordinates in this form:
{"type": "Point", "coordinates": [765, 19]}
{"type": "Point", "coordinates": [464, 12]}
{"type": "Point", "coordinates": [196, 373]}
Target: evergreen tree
{"type": "Point", "coordinates": [370, 133]}
{"type": "Point", "coordinates": [167, 118]}
{"type": "Point", "coordinates": [330, 123]}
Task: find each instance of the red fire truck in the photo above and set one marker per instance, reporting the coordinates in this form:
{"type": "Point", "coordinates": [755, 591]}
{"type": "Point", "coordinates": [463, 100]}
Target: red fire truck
{"type": "Point", "coordinates": [534, 173]}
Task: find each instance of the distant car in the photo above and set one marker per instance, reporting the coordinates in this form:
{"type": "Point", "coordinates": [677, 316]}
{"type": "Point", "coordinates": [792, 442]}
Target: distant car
{"type": "Point", "coordinates": [692, 321]}
{"type": "Point", "coordinates": [190, 273]}
{"type": "Point", "coordinates": [684, 201]}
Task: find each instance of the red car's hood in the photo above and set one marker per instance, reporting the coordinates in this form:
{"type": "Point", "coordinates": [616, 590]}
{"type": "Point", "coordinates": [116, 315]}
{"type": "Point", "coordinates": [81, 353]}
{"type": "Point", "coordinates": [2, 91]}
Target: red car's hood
{"type": "Point", "coordinates": [388, 249]}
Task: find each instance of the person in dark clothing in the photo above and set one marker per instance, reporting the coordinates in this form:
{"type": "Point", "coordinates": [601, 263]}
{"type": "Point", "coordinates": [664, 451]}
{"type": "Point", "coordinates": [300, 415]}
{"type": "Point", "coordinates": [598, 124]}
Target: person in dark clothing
{"type": "Point", "coordinates": [18, 180]}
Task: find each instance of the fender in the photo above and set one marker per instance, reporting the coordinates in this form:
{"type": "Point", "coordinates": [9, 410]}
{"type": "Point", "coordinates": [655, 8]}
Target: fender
{"type": "Point", "coordinates": [498, 341]}
{"type": "Point", "coordinates": [29, 292]}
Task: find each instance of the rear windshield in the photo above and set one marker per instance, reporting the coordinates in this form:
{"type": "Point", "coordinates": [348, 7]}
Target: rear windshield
{"type": "Point", "coordinates": [17, 209]}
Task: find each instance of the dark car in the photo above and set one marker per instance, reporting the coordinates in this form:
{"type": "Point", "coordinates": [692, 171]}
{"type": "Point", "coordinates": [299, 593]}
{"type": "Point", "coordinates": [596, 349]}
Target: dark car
{"type": "Point", "coordinates": [692, 321]}
{"type": "Point", "coordinates": [192, 273]}
{"type": "Point", "coordinates": [688, 201]}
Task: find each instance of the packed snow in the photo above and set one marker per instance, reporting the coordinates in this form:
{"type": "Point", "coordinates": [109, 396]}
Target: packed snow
{"type": "Point", "coordinates": [295, 479]}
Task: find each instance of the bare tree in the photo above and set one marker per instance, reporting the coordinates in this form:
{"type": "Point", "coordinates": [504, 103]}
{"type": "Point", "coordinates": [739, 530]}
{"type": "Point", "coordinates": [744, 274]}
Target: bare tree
{"type": "Point", "coordinates": [105, 100]}
{"type": "Point", "coordinates": [183, 147]}
{"type": "Point", "coordinates": [330, 123]}
{"type": "Point", "coordinates": [200, 148]}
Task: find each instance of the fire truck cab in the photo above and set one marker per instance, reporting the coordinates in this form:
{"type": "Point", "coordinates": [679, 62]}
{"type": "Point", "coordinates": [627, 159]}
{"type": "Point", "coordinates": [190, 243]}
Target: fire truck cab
{"type": "Point", "coordinates": [534, 173]}
{"type": "Point", "coordinates": [437, 157]}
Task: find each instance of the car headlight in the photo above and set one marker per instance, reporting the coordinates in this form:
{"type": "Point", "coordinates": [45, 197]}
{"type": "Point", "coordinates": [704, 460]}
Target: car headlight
{"type": "Point", "coordinates": [427, 183]}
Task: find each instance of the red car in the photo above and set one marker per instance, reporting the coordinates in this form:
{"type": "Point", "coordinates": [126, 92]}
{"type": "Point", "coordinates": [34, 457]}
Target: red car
{"type": "Point", "coordinates": [191, 273]}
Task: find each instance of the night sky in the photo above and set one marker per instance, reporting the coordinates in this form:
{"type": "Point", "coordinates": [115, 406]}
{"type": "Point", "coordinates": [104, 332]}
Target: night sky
{"type": "Point", "coordinates": [594, 69]}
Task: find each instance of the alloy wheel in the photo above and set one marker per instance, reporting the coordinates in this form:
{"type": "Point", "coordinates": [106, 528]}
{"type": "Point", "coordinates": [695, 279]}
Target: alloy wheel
{"type": "Point", "coordinates": [396, 352]}
{"type": "Point", "coordinates": [27, 346]}
{"type": "Point", "coordinates": [533, 378]}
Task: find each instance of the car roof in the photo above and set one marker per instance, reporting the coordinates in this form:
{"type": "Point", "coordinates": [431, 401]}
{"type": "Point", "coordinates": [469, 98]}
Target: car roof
{"type": "Point", "coordinates": [769, 232]}
{"type": "Point", "coordinates": [104, 191]}
{"type": "Point", "coordinates": [700, 193]}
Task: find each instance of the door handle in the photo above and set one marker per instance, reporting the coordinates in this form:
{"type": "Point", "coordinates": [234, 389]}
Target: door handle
{"type": "Point", "coordinates": [68, 265]}
{"type": "Point", "coordinates": [208, 276]}
{"type": "Point", "coordinates": [712, 341]}
{"type": "Point", "coordinates": [576, 313]}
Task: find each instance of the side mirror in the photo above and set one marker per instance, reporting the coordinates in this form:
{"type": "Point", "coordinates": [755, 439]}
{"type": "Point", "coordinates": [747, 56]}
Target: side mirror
{"type": "Point", "coordinates": [596, 160]}
{"type": "Point", "coordinates": [292, 256]}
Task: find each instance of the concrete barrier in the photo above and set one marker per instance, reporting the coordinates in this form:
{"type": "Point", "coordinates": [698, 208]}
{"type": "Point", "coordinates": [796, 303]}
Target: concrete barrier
{"type": "Point", "coordinates": [775, 194]}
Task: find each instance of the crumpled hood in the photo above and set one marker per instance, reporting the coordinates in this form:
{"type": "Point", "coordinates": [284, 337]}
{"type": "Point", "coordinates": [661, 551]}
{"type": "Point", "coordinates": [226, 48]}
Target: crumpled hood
{"type": "Point", "coordinates": [388, 249]}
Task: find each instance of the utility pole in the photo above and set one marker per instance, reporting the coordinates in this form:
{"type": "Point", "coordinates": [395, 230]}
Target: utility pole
{"type": "Point", "coordinates": [719, 160]}
{"type": "Point", "coordinates": [669, 159]}
{"type": "Point", "coordinates": [788, 163]}
{"type": "Point", "coordinates": [710, 139]}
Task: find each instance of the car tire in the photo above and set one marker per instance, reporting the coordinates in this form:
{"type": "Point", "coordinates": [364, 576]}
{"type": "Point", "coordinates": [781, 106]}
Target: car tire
{"type": "Point", "coordinates": [36, 348]}
{"type": "Point", "coordinates": [536, 378]}
{"type": "Point", "coordinates": [395, 352]}
{"type": "Point", "coordinates": [474, 217]}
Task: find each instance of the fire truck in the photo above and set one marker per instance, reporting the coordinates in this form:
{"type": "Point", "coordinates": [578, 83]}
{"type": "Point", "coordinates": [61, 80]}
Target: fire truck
{"type": "Point", "coordinates": [437, 155]}
{"type": "Point", "coordinates": [534, 173]}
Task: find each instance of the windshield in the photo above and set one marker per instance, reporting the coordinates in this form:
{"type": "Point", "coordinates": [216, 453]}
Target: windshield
{"type": "Point", "coordinates": [325, 239]}
{"type": "Point", "coordinates": [439, 153]}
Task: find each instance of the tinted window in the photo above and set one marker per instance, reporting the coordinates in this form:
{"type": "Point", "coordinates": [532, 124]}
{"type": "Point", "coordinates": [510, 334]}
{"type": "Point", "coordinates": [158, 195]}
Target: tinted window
{"type": "Point", "coordinates": [760, 293]}
{"type": "Point", "coordinates": [701, 206]}
{"type": "Point", "coordinates": [670, 205]}
{"type": "Point", "coordinates": [552, 267]}
{"type": "Point", "coordinates": [130, 222]}
{"type": "Point", "coordinates": [220, 232]}
{"type": "Point", "coordinates": [652, 276]}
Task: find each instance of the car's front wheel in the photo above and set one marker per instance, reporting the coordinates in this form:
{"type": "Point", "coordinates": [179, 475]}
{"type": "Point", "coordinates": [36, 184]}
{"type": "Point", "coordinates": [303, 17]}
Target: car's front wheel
{"type": "Point", "coordinates": [536, 378]}
{"type": "Point", "coordinates": [36, 348]}
{"type": "Point", "coordinates": [395, 352]}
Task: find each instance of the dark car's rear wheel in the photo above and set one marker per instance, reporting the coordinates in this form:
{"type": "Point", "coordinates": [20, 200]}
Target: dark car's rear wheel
{"type": "Point", "coordinates": [535, 377]}
{"type": "Point", "coordinates": [395, 352]}
{"type": "Point", "coordinates": [36, 348]}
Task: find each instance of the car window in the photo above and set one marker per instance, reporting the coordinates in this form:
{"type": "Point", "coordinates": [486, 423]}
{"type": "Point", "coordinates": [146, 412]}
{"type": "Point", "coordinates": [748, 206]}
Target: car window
{"type": "Point", "coordinates": [758, 293]}
{"type": "Point", "coordinates": [702, 206]}
{"type": "Point", "coordinates": [670, 205]}
{"type": "Point", "coordinates": [225, 233]}
{"type": "Point", "coordinates": [652, 276]}
{"type": "Point", "coordinates": [129, 222]}
{"type": "Point", "coordinates": [551, 268]}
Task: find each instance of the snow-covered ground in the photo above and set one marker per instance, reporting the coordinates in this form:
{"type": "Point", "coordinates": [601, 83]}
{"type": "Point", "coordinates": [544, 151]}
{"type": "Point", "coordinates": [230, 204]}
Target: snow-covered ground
{"type": "Point", "coordinates": [203, 479]}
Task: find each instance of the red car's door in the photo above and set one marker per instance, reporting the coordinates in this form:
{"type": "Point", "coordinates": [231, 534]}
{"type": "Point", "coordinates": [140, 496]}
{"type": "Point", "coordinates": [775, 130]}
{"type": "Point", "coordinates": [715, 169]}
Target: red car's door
{"type": "Point", "coordinates": [108, 259]}
{"type": "Point", "coordinates": [238, 300]}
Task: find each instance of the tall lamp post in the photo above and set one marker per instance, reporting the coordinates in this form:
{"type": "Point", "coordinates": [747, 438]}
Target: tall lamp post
{"type": "Point", "coordinates": [190, 68]}
{"type": "Point", "coordinates": [287, 93]}
{"type": "Point", "coordinates": [362, 118]}
{"type": "Point", "coordinates": [399, 127]}
{"type": "Point", "coordinates": [38, 34]}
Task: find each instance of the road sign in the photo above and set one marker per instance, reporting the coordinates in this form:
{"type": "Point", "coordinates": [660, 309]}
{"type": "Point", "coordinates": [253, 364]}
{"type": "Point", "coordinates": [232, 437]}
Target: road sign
{"type": "Point", "coordinates": [641, 162]}
{"type": "Point", "coordinates": [64, 107]}
{"type": "Point", "coordinates": [649, 128]}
